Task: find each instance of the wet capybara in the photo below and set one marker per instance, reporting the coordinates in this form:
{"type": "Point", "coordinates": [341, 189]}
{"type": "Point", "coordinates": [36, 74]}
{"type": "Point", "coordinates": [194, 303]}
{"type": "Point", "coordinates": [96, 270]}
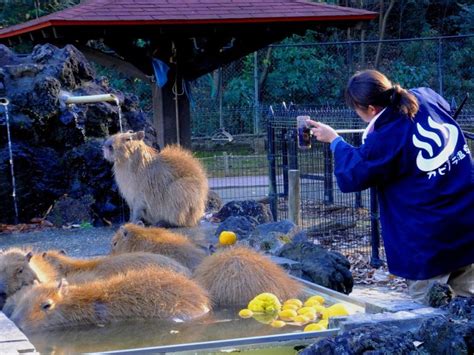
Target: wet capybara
{"type": "Point", "coordinates": [137, 294]}
{"type": "Point", "coordinates": [235, 275]}
{"type": "Point", "coordinates": [19, 268]}
{"type": "Point", "coordinates": [168, 188]}
{"type": "Point", "coordinates": [105, 266]}
{"type": "Point", "coordinates": [133, 238]}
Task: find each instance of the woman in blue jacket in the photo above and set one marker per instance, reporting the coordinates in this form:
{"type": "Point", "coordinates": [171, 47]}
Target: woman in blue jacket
{"type": "Point", "coordinates": [416, 156]}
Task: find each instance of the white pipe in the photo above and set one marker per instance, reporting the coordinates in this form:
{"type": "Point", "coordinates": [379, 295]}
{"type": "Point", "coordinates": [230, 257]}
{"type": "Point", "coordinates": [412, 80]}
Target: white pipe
{"type": "Point", "coordinates": [343, 131]}
{"type": "Point", "coordinates": [91, 99]}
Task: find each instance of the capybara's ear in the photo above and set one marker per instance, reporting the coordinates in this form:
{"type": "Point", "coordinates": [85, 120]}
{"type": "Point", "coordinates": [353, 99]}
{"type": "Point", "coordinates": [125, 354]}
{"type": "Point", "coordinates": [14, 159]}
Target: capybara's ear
{"type": "Point", "coordinates": [29, 256]}
{"type": "Point", "coordinates": [140, 223]}
{"type": "Point", "coordinates": [63, 252]}
{"type": "Point", "coordinates": [124, 231]}
{"type": "Point", "coordinates": [63, 287]}
{"type": "Point", "coordinates": [139, 136]}
{"type": "Point", "coordinates": [44, 255]}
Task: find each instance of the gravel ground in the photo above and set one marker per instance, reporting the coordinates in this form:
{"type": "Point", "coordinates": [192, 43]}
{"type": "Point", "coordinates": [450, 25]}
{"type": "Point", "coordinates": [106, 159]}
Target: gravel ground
{"type": "Point", "coordinates": [77, 242]}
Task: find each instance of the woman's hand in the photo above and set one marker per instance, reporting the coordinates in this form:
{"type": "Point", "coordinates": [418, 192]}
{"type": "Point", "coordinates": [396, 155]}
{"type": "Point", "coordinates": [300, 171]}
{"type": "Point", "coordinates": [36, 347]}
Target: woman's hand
{"type": "Point", "coordinates": [322, 132]}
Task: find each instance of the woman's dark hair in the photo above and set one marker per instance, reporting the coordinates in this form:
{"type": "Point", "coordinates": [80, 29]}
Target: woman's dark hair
{"type": "Point", "coordinates": [370, 87]}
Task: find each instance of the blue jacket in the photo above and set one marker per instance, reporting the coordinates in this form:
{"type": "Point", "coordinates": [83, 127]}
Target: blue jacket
{"type": "Point", "coordinates": [422, 169]}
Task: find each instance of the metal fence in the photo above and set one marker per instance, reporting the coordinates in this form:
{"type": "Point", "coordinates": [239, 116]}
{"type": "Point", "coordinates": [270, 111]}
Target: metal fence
{"type": "Point", "coordinates": [336, 220]}
{"type": "Point", "coordinates": [346, 222]}
{"type": "Point", "coordinates": [236, 97]}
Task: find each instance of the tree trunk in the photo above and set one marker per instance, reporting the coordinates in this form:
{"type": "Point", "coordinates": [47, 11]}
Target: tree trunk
{"type": "Point", "coordinates": [382, 32]}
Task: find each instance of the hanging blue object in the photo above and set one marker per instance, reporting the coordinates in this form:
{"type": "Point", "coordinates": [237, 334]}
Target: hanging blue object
{"type": "Point", "coordinates": [161, 72]}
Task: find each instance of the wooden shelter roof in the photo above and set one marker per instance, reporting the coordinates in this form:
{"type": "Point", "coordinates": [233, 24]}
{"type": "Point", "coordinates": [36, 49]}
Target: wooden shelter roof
{"type": "Point", "coordinates": [187, 12]}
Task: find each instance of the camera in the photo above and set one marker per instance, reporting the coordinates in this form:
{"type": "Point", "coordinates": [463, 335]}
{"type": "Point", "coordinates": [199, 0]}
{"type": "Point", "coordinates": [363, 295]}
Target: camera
{"type": "Point", "coordinates": [304, 132]}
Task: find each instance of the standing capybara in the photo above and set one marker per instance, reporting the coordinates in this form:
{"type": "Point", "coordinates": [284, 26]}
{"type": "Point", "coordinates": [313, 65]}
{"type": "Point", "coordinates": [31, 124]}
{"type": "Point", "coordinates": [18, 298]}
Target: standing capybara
{"type": "Point", "coordinates": [168, 188]}
{"type": "Point", "coordinates": [105, 266]}
{"type": "Point", "coordinates": [147, 293]}
{"type": "Point", "coordinates": [132, 238]}
{"type": "Point", "coordinates": [236, 275]}
{"type": "Point", "coordinates": [19, 268]}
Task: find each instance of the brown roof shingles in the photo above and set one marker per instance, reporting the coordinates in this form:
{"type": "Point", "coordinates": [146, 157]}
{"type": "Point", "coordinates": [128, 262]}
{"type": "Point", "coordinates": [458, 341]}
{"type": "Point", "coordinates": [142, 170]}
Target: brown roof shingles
{"type": "Point", "coordinates": [132, 12]}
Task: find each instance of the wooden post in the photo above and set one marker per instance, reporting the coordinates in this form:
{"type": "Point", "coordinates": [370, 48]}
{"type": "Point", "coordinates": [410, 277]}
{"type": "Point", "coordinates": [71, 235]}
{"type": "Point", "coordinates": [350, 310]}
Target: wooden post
{"type": "Point", "coordinates": [164, 115]}
{"type": "Point", "coordinates": [294, 199]}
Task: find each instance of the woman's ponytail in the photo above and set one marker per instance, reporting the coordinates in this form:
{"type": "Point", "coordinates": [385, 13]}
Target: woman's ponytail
{"type": "Point", "coordinates": [404, 101]}
{"type": "Point", "coordinates": [370, 87]}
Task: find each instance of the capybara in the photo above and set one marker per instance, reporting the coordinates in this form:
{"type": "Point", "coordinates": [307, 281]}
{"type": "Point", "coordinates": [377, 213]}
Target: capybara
{"type": "Point", "coordinates": [105, 266]}
{"type": "Point", "coordinates": [235, 275]}
{"type": "Point", "coordinates": [167, 188]}
{"type": "Point", "coordinates": [132, 238]}
{"type": "Point", "coordinates": [151, 292]}
{"type": "Point", "coordinates": [19, 268]}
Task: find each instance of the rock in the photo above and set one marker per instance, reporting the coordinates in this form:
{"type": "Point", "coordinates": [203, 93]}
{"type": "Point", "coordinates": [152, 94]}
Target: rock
{"type": "Point", "coordinates": [68, 211]}
{"type": "Point", "coordinates": [39, 179]}
{"type": "Point", "coordinates": [438, 295]}
{"type": "Point", "coordinates": [259, 212]}
{"type": "Point", "coordinates": [240, 225]}
{"type": "Point", "coordinates": [443, 336]}
{"type": "Point", "coordinates": [214, 202]}
{"type": "Point", "coordinates": [54, 147]}
{"type": "Point", "coordinates": [371, 339]}
{"type": "Point", "coordinates": [461, 308]}
{"type": "Point", "coordinates": [271, 237]}
{"type": "Point", "coordinates": [323, 267]}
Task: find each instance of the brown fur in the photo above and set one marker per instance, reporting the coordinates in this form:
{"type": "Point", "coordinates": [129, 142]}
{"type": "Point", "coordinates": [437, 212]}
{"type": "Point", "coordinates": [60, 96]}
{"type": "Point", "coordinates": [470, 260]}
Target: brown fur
{"type": "Point", "coordinates": [148, 293]}
{"type": "Point", "coordinates": [132, 238]}
{"type": "Point", "coordinates": [19, 268]}
{"type": "Point", "coordinates": [236, 275]}
{"type": "Point", "coordinates": [106, 266]}
{"type": "Point", "coordinates": [167, 187]}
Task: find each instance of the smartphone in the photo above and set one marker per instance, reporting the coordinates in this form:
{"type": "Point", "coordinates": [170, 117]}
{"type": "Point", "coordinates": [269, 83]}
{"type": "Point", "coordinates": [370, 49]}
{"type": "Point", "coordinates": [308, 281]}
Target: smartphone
{"type": "Point", "coordinates": [304, 132]}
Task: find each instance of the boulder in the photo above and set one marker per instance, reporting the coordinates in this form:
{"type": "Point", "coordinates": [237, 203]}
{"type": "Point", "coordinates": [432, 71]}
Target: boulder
{"type": "Point", "coordinates": [256, 211]}
{"type": "Point", "coordinates": [370, 339]}
{"type": "Point", "coordinates": [271, 237]}
{"type": "Point", "coordinates": [323, 267]}
{"type": "Point", "coordinates": [57, 147]}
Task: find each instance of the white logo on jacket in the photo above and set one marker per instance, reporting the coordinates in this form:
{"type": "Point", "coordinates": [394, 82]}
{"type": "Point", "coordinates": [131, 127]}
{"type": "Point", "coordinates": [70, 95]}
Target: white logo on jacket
{"type": "Point", "coordinates": [448, 132]}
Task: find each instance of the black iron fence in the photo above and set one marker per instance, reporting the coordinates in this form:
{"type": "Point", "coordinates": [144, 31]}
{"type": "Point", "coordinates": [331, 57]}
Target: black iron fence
{"type": "Point", "coordinates": [346, 222]}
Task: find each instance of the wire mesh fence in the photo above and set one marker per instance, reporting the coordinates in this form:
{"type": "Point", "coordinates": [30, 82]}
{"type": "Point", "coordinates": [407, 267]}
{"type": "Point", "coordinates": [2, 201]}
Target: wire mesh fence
{"type": "Point", "coordinates": [237, 96]}
{"type": "Point", "coordinates": [339, 221]}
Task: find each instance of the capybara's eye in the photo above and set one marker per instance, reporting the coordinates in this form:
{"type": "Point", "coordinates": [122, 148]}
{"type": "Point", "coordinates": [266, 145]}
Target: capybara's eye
{"type": "Point", "coordinates": [45, 306]}
{"type": "Point", "coordinates": [20, 270]}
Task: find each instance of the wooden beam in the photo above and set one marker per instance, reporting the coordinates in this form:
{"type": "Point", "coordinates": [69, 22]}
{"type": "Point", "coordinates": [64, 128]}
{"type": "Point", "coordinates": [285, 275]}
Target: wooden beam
{"type": "Point", "coordinates": [114, 62]}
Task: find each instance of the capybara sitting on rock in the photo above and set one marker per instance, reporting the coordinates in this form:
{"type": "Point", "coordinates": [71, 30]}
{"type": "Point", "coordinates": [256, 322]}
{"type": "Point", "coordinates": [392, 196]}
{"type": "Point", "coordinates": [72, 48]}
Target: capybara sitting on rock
{"type": "Point", "coordinates": [148, 293]}
{"type": "Point", "coordinates": [168, 188]}
{"type": "Point", "coordinates": [105, 266]}
{"type": "Point", "coordinates": [19, 268]}
{"type": "Point", "coordinates": [133, 238]}
{"type": "Point", "coordinates": [236, 275]}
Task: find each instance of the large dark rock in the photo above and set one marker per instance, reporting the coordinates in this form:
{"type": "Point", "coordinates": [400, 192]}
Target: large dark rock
{"type": "Point", "coordinates": [57, 147]}
{"type": "Point", "coordinates": [441, 335]}
{"type": "Point", "coordinates": [38, 179]}
{"type": "Point", "coordinates": [254, 210]}
{"type": "Point", "coordinates": [271, 237]}
{"type": "Point", "coordinates": [321, 266]}
{"type": "Point", "coordinates": [371, 339]}
{"type": "Point", "coordinates": [240, 225]}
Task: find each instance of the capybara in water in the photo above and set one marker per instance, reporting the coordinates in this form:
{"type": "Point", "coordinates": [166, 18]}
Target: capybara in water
{"type": "Point", "coordinates": [132, 238]}
{"type": "Point", "coordinates": [19, 268]}
{"type": "Point", "coordinates": [168, 188]}
{"type": "Point", "coordinates": [235, 275]}
{"type": "Point", "coordinates": [105, 266]}
{"type": "Point", "coordinates": [147, 293]}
